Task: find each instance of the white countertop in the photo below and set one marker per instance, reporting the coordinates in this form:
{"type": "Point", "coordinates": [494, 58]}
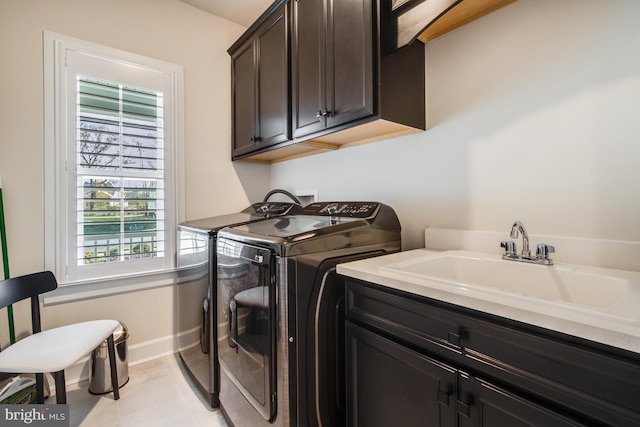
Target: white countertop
{"type": "Point", "coordinates": [617, 334]}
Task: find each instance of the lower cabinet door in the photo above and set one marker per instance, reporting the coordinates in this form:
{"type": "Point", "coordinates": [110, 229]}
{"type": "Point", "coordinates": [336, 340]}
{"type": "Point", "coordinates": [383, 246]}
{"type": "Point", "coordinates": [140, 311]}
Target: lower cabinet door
{"type": "Point", "coordinates": [391, 385]}
{"type": "Point", "coordinates": [484, 404]}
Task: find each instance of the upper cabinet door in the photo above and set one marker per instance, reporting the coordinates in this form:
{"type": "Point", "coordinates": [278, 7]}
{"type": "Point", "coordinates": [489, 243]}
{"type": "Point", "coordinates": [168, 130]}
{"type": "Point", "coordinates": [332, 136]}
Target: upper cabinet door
{"type": "Point", "coordinates": [350, 62]}
{"type": "Point", "coordinates": [243, 99]}
{"type": "Point", "coordinates": [272, 45]}
{"type": "Point", "coordinates": [307, 63]}
{"type": "Point", "coordinates": [332, 63]}
{"type": "Point", "coordinates": [260, 75]}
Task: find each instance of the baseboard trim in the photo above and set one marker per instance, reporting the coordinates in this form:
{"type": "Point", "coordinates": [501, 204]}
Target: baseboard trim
{"type": "Point", "coordinates": [136, 354]}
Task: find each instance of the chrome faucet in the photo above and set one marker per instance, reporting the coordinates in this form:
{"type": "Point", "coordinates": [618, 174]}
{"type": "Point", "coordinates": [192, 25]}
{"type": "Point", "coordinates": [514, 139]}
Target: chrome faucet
{"type": "Point", "coordinates": [518, 228]}
{"type": "Point", "coordinates": [542, 250]}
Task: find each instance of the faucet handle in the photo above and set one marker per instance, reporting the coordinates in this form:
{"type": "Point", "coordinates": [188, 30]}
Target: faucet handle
{"type": "Point", "coordinates": [543, 251]}
{"type": "Point", "coordinates": [509, 247]}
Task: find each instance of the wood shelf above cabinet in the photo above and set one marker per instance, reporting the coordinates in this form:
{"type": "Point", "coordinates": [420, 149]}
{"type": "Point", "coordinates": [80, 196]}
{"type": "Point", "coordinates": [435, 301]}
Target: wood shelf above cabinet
{"type": "Point", "coordinates": [461, 14]}
{"type": "Point", "coordinates": [369, 132]}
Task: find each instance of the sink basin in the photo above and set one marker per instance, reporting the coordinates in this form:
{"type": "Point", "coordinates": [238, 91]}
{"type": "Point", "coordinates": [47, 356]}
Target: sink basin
{"type": "Point", "coordinates": [611, 293]}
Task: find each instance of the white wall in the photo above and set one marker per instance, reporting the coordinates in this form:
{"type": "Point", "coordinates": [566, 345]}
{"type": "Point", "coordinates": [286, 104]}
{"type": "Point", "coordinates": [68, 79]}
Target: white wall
{"type": "Point", "coordinates": [533, 114]}
{"type": "Point", "coordinates": [167, 30]}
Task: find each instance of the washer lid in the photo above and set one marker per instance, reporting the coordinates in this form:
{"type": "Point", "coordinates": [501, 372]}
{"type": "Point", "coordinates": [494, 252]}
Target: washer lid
{"type": "Point", "coordinates": [255, 212]}
{"type": "Point", "coordinates": [298, 227]}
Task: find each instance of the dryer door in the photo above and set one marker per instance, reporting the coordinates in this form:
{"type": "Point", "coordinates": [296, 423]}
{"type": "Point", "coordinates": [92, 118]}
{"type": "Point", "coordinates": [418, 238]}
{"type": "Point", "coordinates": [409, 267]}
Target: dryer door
{"type": "Point", "coordinates": [193, 308]}
{"type": "Point", "coordinates": [247, 312]}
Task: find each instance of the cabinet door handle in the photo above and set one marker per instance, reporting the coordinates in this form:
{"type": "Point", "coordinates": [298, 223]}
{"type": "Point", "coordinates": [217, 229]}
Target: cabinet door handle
{"type": "Point", "coordinates": [454, 338]}
{"type": "Point", "coordinates": [464, 409]}
{"type": "Point", "coordinates": [443, 398]}
{"type": "Point", "coordinates": [323, 113]}
{"type": "Point", "coordinates": [256, 139]}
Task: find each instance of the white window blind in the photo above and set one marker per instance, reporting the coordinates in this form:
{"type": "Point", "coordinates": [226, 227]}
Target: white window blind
{"type": "Point", "coordinates": [120, 173]}
{"type": "Point", "coordinates": [111, 167]}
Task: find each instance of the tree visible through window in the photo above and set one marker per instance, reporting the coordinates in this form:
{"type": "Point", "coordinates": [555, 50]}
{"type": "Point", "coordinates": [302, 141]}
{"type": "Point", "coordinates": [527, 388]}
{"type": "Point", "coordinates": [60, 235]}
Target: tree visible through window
{"type": "Point", "coordinates": [112, 135]}
{"type": "Point", "coordinates": [120, 172]}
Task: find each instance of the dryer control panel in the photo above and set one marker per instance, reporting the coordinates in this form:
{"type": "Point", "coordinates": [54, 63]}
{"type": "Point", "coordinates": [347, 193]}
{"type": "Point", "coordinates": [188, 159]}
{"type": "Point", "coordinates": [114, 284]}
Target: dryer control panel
{"type": "Point", "coordinates": [269, 209]}
{"type": "Point", "coordinates": [364, 210]}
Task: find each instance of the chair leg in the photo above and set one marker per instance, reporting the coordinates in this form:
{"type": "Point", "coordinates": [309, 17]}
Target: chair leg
{"type": "Point", "coordinates": [61, 388]}
{"type": "Point", "coordinates": [111, 348]}
{"type": "Point", "coordinates": [40, 389]}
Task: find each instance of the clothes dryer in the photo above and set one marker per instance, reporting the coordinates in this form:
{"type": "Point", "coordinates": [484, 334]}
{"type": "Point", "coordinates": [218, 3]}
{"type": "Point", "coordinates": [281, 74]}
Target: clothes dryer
{"type": "Point", "coordinates": [281, 310]}
{"type": "Point", "coordinates": [196, 294]}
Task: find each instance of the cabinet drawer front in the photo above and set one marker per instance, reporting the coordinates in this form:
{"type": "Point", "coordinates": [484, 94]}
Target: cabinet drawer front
{"type": "Point", "coordinates": [601, 385]}
{"type": "Point", "coordinates": [413, 322]}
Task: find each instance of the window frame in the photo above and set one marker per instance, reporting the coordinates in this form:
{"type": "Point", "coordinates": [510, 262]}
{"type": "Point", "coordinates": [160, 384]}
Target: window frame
{"type": "Point", "coordinates": [56, 239]}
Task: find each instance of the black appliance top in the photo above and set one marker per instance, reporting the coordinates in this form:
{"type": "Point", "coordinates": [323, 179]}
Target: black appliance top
{"type": "Point", "coordinates": [255, 212]}
{"type": "Point", "coordinates": [322, 226]}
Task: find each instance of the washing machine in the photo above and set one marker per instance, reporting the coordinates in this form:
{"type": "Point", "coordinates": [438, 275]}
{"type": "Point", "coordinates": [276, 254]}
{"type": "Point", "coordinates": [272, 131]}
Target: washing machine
{"type": "Point", "coordinates": [281, 310]}
{"type": "Point", "coordinates": [195, 292]}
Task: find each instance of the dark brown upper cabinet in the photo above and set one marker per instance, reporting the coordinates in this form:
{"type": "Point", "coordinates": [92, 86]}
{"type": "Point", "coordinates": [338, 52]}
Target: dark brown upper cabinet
{"type": "Point", "coordinates": [260, 84]}
{"type": "Point", "coordinates": [344, 92]}
{"type": "Point", "coordinates": [355, 73]}
{"type": "Point", "coordinates": [332, 64]}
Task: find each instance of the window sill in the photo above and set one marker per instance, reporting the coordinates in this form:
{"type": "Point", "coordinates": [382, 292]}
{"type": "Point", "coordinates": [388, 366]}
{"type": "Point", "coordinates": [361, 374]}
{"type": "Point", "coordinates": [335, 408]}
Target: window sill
{"type": "Point", "coordinates": [107, 287]}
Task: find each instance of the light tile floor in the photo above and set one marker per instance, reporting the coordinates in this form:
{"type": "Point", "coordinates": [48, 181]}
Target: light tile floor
{"type": "Point", "coordinates": [158, 394]}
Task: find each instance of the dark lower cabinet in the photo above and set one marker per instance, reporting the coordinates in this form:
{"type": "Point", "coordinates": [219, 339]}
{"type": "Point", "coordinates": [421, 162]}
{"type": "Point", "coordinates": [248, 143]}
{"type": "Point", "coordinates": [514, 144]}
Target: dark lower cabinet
{"type": "Point", "coordinates": [413, 361]}
{"type": "Point", "coordinates": [391, 385]}
{"type": "Point", "coordinates": [483, 404]}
